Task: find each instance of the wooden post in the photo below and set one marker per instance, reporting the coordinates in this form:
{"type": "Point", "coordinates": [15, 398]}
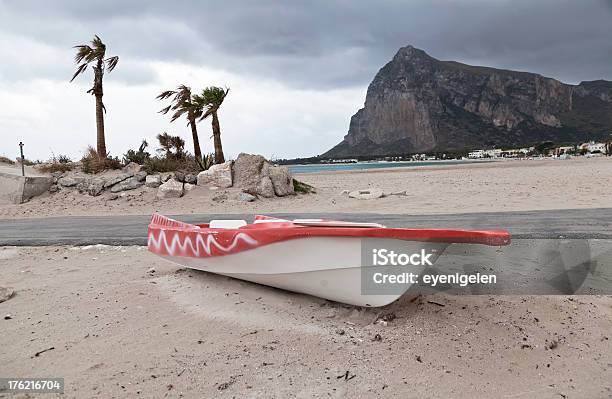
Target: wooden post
{"type": "Point", "coordinates": [22, 159]}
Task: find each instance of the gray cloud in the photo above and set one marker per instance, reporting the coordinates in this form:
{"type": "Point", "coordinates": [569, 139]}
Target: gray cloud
{"type": "Point", "coordinates": [322, 44]}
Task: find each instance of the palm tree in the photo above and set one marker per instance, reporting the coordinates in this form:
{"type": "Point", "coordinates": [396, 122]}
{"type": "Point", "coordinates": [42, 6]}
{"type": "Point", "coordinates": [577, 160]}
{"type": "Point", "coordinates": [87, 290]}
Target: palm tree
{"type": "Point", "coordinates": [211, 100]}
{"type": "Point", "coordinates": [95, 54]}
{"type": "Point", "coordinates": [182, 104]}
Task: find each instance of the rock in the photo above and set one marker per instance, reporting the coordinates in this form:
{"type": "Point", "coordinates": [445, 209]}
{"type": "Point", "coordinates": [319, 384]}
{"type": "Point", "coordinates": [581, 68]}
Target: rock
{"type": "Point", "coordinates": [6, 293]}
{"type": "Point", "coordinates": [132, 168]}
{"type": "Point", "coordinates": [56, 176]}
{"type": "Point", "coordinates": [191, 179]}
{"type": "Point", "coordinates": [125, 185]}
{"type": "Point", "coordinates": [247, 170]}
{"type": "Point", "coordinates": [140, 176]}
{"type": "Point", "coordinates": [246, 197]}
{"type": "Point", "coordinates": [189, 186]}
{"type": "Point", "coordinates": [281, 180]}
{"type": "Point", "coordinates": [219, 175]}
{"type": "Point", "coordinates": [153, 181]}
{"type": "Point", "coordinates": [256, 176]}
{"type": "Point", "coordinates": [403, 192]}
{"type": "Point", "coordinates": [166, 176]}
{"type": "Point", "coordinates": [345, 192]}
{"type": "Point", "coordinates": [417, 103]}
{"type": "Point", "coordinates": [118, 179]}
{"type": "Point", "coordinates": [179, 176]}
{"type": "Point", "coordinates": [93, 187]}
{"type": "Point", "coordinates": [367, 194]}
{"type": "Point", "coordinates": [54, 188]}
{"type": "Point", "coordinates": [113, 197]}
{"type": "Point", "coordinates": [265, 188]}
{"type": "Point", "coordinates": [69, 181]}
{"type": "Point", "coordinates": [170, 189]}
{"type": "Point", "coordinates": [151, 270]}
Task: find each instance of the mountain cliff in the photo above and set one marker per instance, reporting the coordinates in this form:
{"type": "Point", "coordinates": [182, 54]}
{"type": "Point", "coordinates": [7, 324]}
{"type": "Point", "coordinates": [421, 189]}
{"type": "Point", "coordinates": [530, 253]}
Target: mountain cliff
{"type": "Point", "coordinates": [417, 103]}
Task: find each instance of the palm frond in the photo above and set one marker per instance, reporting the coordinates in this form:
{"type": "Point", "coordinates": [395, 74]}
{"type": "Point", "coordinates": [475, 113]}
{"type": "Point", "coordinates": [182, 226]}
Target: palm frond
{"type": "Point", "coordinates": [79, 71]}
{"type": "Point", "coordinates": [165, 110]}
{"type": "Point", "coordinates": [83, 51]}
{"type": "Point", "coordinates": [111, 63]}
{"type": "Point", "coordinates": [180, 112]}
{"type": "Point", "coordinates": [206, 114]}
{"type": "Point", "coordinates": [166, 94]}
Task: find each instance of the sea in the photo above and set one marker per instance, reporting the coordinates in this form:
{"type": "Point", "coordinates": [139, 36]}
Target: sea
{"type": "Point", "coordinates": [330, 167]}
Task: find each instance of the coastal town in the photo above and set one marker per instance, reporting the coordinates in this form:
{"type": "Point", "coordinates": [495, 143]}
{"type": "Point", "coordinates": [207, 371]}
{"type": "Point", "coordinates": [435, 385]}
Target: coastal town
{"type": "Point", "coordinates": [588, 149]}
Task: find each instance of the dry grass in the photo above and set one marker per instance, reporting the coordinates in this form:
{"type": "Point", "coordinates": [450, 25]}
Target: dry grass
{"type": "Point", "coordinates": [6, 160]}
{"type": "Point", "coordinates": [92, 163]}
{"type": "Point", "coordinates": [56, 167]}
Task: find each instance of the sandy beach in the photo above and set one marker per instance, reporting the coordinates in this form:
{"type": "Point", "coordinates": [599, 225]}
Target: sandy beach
{"type": "Point", "coordinates": [492, 186]}
{"type": "Point", "coordinates": [112, 327]}
{"type": "Point", "coordinates": [120, 322]}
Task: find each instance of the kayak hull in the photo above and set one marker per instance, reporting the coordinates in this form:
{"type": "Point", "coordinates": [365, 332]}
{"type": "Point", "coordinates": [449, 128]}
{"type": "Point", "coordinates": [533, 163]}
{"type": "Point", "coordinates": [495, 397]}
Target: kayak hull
{"type": "Point", "coordinates": [315, 257]}
{"type": "Point", "coordinates": [328, 268]}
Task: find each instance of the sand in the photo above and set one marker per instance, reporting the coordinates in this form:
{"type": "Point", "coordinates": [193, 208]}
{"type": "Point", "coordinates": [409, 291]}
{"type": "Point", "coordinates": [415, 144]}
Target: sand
{"type": "Point", "coordinates": [495, 186]}
{"type": "Point", "coordinates": [121, 330]}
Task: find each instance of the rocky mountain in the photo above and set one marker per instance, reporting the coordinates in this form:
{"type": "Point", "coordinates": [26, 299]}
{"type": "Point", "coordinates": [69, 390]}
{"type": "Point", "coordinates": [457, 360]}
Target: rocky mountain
{"type": "Point", "coordinates": [417, 103]}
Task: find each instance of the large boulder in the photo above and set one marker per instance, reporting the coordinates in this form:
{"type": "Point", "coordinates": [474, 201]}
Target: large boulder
{"type": "Point", "coordinates": [281, 180]}
{"type": "Point", "coordinates": [170, 189]}
{"type": "Point", "coordinates": [118, 179]}
{"type": "Point", "coordinates": [219, 175]}
{"type": "Point", "coordinates": [93, 186]}
{"type": "Point", "coordinates": [153, 181]}
{"type": "Point", "coordinates": [141, 176]}
{"type": "Point", "coordinates": [132, 167]}
{"type": "Point", "coordinates": [68, 181]}
{"type": "Point", "coordinates": [255, 175]}
{"type": "Point", "coordinates": [265, 188]}
{"type": "Point", "coordinates": [129, 184]}
{"type": "Point", "coordinates": [247, 170]}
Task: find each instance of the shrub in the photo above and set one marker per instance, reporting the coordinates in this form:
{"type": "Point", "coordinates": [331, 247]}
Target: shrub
{"type": "Point", "coordinates": [301, 187]}
{"type": "Point", "coordinates": [160, 164]}
{"type": "Point", "coordinates": [207, 161]}
{"type": "Point", "coordinates": [63, 159]}
{"type": "Point", "coordinates": [56, 167]}
{"type": "Point", "coordinates": [92, 163]}
{"type": "Point", "coordinates": [169, 143]}
{"type": "Point", "coordinates": [7, 160]}
{"type": "Point", "coordinates": [172, 157]}
{"type": "Point", "coordinates": [139, 156]}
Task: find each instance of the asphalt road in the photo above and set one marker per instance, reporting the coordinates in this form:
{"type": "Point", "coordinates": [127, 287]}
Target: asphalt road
{"type": "Point", "coordinates": [132, 230]}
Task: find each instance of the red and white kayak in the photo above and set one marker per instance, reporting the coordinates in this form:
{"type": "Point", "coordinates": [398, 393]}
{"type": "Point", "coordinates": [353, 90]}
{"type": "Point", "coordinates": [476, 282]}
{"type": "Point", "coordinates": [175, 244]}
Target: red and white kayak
{"type": "Point", "coordinates": [311, 256]}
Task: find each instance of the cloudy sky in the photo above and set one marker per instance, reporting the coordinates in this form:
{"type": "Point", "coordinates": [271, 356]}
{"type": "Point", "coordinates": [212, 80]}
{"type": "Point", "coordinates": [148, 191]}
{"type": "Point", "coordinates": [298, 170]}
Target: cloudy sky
{"type": "Point", "coordinates": [297, 70]}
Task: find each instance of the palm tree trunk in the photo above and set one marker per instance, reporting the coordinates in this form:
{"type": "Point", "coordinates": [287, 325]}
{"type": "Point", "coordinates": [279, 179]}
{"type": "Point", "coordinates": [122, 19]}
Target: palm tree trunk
{"type": "Point", "coordinates": [219, 158]}
{"type": "Point", "coordinates": [196, 141]}
{"type": "Point", "coordinates": [100, 142]}
{"type": "Point", "coordinates": [98, 92]}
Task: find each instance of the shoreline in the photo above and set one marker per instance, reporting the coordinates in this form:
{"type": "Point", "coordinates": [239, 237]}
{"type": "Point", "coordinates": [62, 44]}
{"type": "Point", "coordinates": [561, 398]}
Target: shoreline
{"type": "Point", "coordinates": [428, 190]}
